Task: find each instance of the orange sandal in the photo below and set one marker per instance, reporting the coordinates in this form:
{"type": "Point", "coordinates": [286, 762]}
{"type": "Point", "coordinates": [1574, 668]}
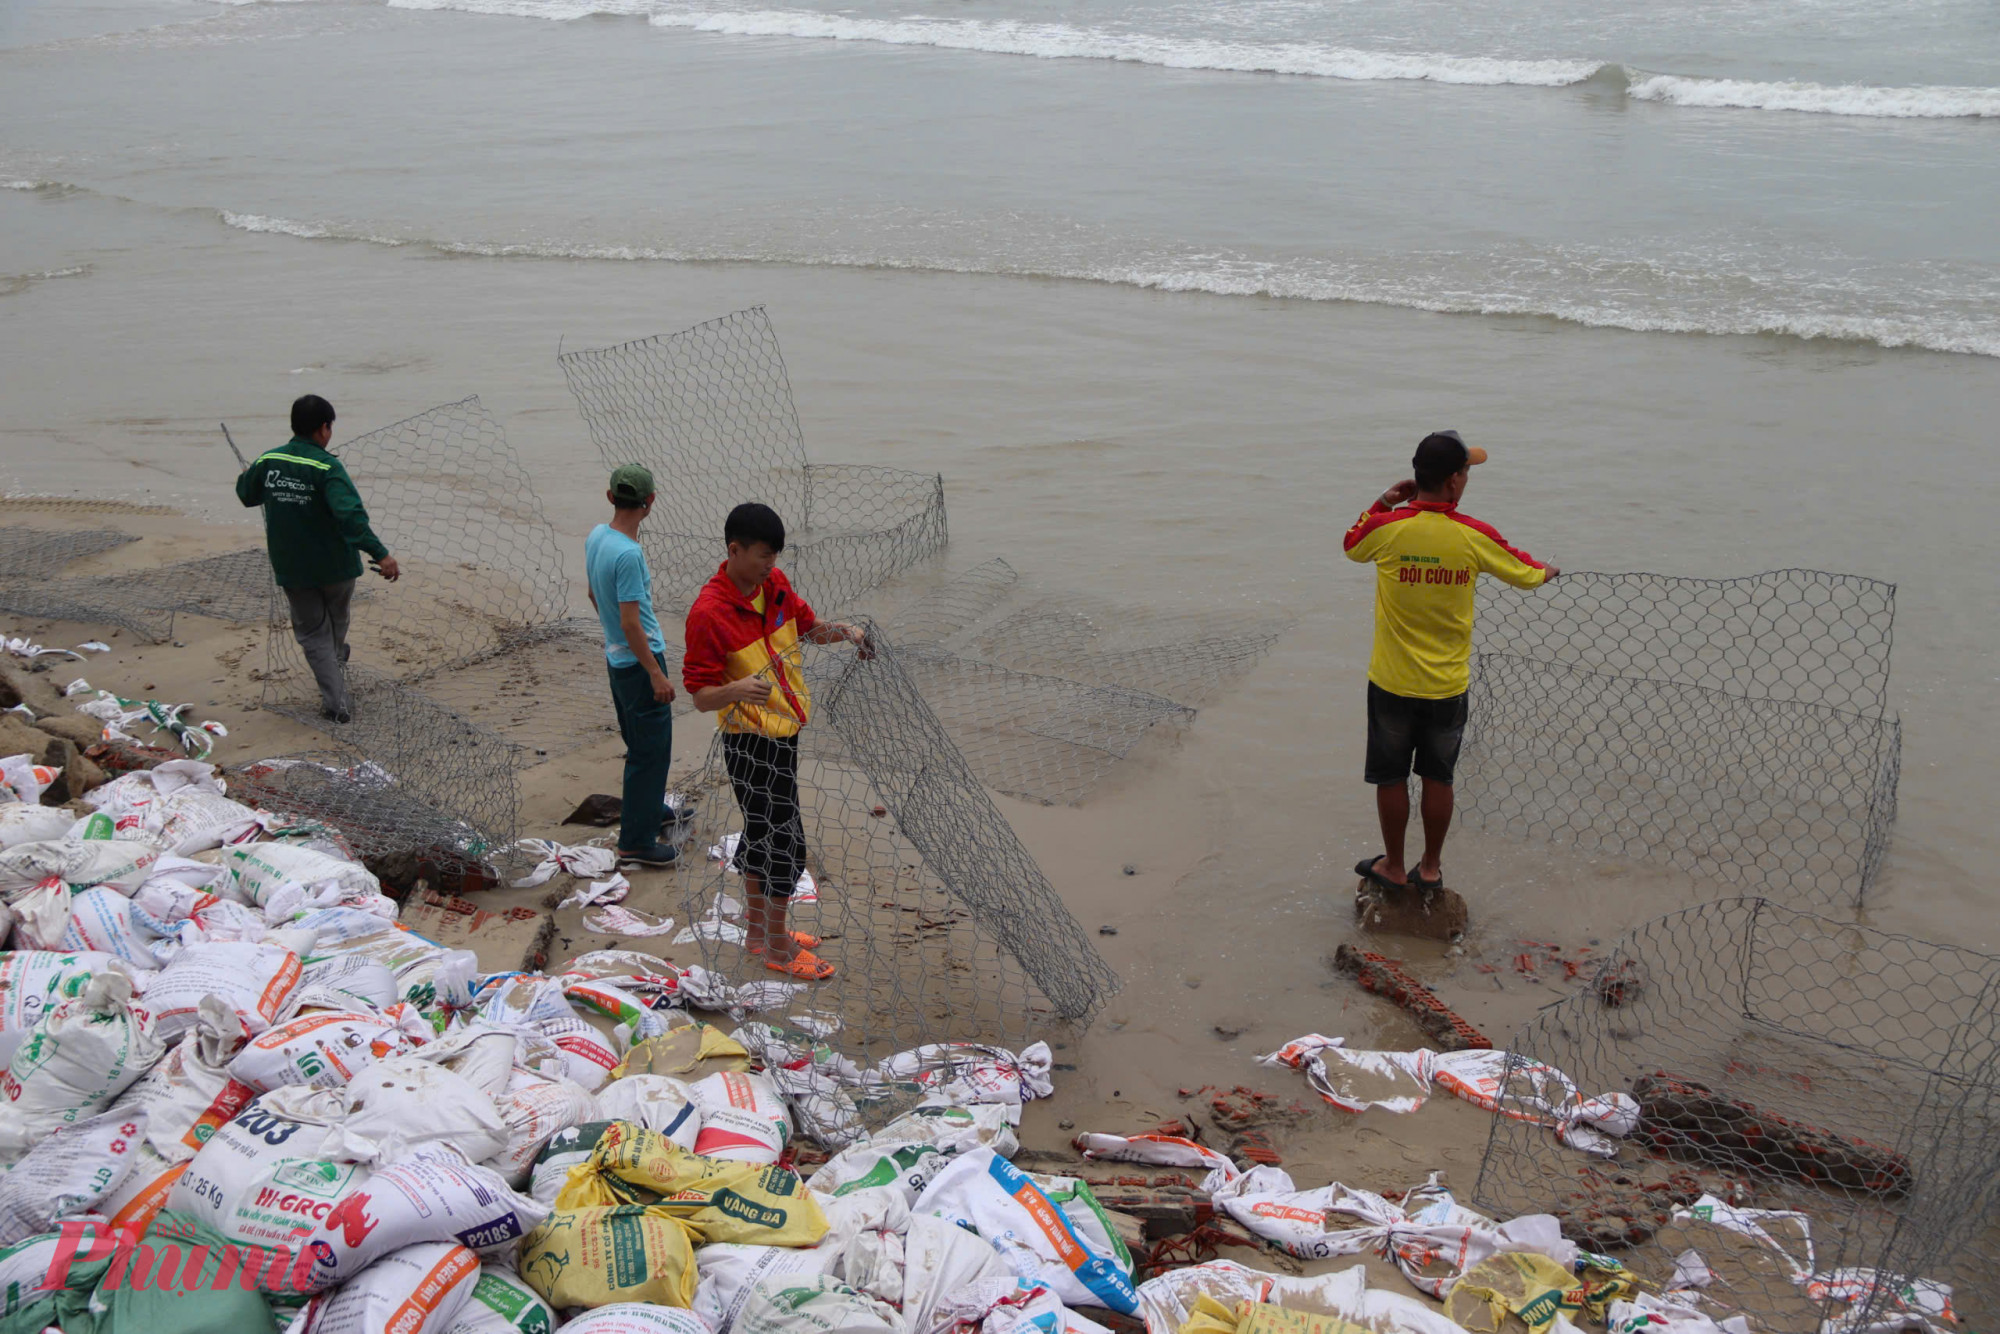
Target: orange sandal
{"type": "Point", "coordinates": [804, 965]}
{"type": "Point", "coordinates": [804, 940]}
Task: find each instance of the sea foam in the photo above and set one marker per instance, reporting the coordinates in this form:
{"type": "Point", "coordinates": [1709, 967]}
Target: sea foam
{"type": "Point", "coordinates": [1059, 41]}
{"type": "Point", "coordinates": [1928, 102]}
{"type": "Point", "coordinates": [1062, 41]}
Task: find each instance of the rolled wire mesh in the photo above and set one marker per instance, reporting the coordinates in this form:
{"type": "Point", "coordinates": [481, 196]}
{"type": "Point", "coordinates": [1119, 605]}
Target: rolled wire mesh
{"type": "Point", "coordinates": [1780, 1061]}
{"type": "Point", "coordinates": [709, 412]}
{"type": "Point", "coordinates": [939, 925]}
{"type": "Point", "coordinates": [1735, 729]}
{"type": "Point", "coordinates": [386, 822]}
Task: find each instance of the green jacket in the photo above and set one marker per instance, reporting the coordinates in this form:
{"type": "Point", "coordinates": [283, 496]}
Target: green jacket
{"type": "Point", "coordinates": [314, 521]}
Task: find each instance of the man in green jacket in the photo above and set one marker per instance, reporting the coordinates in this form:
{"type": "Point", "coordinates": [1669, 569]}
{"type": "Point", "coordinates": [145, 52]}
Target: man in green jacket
{"type": "Point", "coordinates": [314, 526]}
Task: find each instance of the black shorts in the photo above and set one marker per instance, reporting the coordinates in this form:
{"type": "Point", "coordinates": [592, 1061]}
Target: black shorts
{"type": "Point", "coordinates": [764, 771]}
{"type": "Point", "coordinates": [1402, 730]}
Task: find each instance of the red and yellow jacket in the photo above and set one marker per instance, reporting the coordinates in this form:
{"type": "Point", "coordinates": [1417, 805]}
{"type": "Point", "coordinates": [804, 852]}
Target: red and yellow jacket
{"type": "Point", "coordinates": [729, 638]}
{"type": "Point", "coordinates": [1428, 558]}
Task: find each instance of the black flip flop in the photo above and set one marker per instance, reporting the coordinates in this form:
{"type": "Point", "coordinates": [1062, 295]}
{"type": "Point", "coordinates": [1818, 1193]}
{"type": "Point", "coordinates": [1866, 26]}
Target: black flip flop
{"type": "Point", "coordinates": [1427, 886]}
{"type": "Point", "coordinates": [1365, 868]}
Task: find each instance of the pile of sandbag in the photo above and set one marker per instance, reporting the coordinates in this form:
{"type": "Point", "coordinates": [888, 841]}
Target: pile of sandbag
{"type": "Point", "coordinates": [236, 1093]}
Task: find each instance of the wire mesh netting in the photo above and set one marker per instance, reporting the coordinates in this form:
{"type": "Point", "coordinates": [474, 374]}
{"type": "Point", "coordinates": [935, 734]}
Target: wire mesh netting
{"type": "Point", "coordinates": [709, 411]}
{"type": "Point", "coordinates": [1802, 635]}
{"type": "Point", "coordinates": [34, 581]}
{"type": "Point", "coordinates": [1045, 693]}
{"type": "Point", "coordinates": [1734, 729]}
{"type": "Point", "coordinates": [468, 663]}
{"type": "Point", "coordinates": [936, 922]}
{"type": "Point", "coordinates": [1816, 1116]}
{"type": "Point", "coordinates": [387, 823]}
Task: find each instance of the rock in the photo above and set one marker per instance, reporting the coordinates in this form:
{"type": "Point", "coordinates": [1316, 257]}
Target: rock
{"type": "Point", "coordinates": [1130, 869]}
{"type": "Point", "coordinates": [78, 727]}
{"type": "Point", "coordinates": [79, 772]}
{"type": "Point", "coordinates": [1438, 914]}
{"type": "Point", "coordinates": [19, 737]}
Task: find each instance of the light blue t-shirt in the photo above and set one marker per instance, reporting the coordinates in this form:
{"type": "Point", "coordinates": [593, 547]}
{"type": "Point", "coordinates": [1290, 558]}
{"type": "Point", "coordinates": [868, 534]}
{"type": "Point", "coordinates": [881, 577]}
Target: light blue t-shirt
{"type": "Point", "coordinates": [615, 565]}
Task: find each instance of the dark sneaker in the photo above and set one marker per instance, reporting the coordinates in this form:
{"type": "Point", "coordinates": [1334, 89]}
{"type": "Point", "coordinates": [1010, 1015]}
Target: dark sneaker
{"type": "Point", "coordinates": [336, 715]}
{"type": "Point", "coordinates": [659, 857]}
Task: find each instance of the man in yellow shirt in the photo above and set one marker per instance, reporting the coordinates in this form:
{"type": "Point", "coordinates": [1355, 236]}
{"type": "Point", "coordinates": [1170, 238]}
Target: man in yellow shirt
{"type": "Point", "coordinates": [1428, 558]}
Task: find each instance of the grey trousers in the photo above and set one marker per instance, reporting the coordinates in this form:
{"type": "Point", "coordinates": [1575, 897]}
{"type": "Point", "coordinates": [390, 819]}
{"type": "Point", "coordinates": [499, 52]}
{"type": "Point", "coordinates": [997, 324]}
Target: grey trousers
{"type": "Point", "coordinates": [319, 623]}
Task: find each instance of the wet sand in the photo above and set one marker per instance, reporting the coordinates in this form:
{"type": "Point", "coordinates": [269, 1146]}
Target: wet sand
{"type": "Point", "coordinates": [1160, 450]}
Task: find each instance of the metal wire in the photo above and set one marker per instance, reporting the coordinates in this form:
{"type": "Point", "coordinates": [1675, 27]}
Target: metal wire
{"type": "Point", "coordinates": [1781, 1061]}
{"type": "Point", "coordinates": [453, 672]}
{"type": "Point", "coordinates": [939, 924]}
{"type": "Point", "coordinates": [709, 411]}
{"type": "Point", "coordinates": [1045, 693]}
{"type": "Point", "coordinates": [1735, 729]}
{"type": "Point", "coordinates": [234, 586]}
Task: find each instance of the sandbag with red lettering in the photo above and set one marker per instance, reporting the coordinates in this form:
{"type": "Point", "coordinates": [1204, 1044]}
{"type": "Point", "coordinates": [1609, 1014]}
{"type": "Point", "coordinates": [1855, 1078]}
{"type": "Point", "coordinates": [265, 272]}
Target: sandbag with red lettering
{"type": "Point", "coordinates": [68, 1174]}
{"type": "Point", "coordinates": [190, 1093]}
{"type": "Point", "coordinates": [75, 1062]}
{"type": "Point", "coordinates": [419, 1289]}
{"type": "Point", "coordinates": [254, 980]}
{"type": "Point", "coordinates": [324, 1049]}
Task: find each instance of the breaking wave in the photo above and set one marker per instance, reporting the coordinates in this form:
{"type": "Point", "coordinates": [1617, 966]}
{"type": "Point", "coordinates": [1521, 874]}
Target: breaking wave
{"type": "Point", "coordinates": [1919, 306]}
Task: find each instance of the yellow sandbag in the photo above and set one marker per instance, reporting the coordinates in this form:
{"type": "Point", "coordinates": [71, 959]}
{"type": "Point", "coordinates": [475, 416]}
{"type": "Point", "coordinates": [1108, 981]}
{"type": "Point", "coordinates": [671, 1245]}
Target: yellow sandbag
{"type": "Point", "coordinates": [718, 1200]}
{"type": "Point", "coordinates": [1210, 1316]}
{"type": "Point", "coordinates": [1260, 1318]}
{"type": "Point", "coordinates": [1520, 1283]}
{"type": "Point", "coordinates": [689, 1053]}
{"type": "Point", "coordinates": [593, 1257]}
{"type": "Point", "coordinates": [1604, 1281]}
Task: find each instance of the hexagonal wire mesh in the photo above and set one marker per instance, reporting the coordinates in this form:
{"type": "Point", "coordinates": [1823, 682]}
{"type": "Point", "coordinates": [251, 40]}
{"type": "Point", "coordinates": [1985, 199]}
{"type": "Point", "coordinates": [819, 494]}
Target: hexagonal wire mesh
{"type": "Point", "coordinates": [1044, 693]}
{"type": "Point", "coordinates": [1735, 729]}
{"type": "Point", "coordinates": [938, 924]}
{"type": "Point", "coordinates": [389, 826]}
{"type": "Point", "coordinates": [234, 586]}
{"type": "Point", "coordinates": [1843, 1077]}
{"type": "Point", "coordinates": [709, 411]}
{"type": "Point", "coordinates": [451, 665]}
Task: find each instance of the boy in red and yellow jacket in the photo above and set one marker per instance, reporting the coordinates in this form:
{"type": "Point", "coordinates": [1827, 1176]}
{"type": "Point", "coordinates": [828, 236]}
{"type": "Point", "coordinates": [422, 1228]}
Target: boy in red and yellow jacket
{"type": "Point", "coordinates": [744, 664]}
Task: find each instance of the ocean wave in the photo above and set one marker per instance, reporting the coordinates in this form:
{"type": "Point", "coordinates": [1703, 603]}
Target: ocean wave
{"type": "Point", "coordinates": [1911, 307]}
{"type": "Point", "coordinates": [1060, 41]}
{"type": "Point", "coordinates": [306, 231]}
{"type": "Point", "coordinates": [1927, 102]}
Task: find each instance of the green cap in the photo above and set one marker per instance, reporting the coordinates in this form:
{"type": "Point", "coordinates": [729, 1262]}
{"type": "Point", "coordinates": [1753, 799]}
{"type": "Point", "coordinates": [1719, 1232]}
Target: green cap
{"type": "Point", "coordinates": [631, 482]}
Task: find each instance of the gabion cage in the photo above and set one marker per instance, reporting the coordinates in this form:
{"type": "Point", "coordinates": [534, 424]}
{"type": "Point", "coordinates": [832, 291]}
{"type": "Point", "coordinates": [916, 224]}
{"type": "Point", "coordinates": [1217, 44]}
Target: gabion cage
{"type": "Point", "coordinates": [1735, 729]}
{"type": "Point", "coordinates": [938, 923]}
{"type": "Point", "coordinates": [709, 411]}
{"type": "Point", "coordinates": [1780, 1062]}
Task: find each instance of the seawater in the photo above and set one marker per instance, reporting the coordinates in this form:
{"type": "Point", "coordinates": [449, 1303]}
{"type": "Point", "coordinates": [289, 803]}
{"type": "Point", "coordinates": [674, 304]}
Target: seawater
{"type": "Point", "coordinates": [1820, 169]}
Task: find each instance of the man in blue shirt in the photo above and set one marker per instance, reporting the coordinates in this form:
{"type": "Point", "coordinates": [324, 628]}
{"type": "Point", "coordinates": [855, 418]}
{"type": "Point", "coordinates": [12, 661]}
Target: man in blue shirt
{"type": "Point", "coordinates": [621, 589]}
